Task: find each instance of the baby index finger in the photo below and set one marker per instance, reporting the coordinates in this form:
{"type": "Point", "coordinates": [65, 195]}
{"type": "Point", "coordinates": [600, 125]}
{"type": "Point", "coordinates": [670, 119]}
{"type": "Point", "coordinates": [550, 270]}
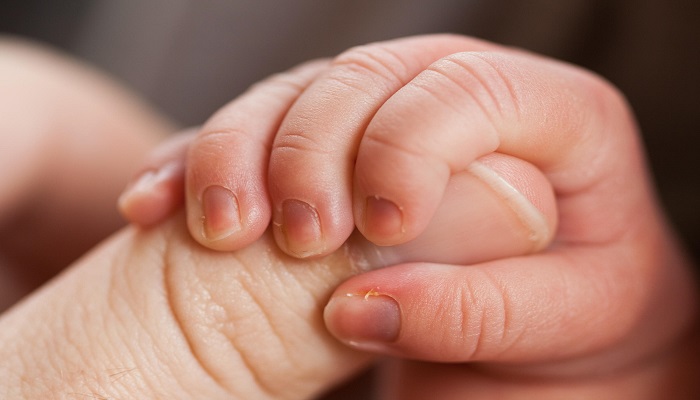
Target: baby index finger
{"type": "Point", "coordinates": [226, 181]}
{"type": "Point", "coordinates": [313, 155]}
{"type": "Point", "coordinates": [572, 125]}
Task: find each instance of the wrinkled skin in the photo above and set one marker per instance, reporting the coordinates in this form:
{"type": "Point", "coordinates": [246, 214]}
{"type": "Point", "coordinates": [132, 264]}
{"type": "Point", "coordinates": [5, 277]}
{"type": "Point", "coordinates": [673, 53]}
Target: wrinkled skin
{"type": "Point", "coordinates": [246, 324]}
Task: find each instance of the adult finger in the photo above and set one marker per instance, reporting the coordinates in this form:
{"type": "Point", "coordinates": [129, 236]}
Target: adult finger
{"type": "Point", "coordinates": [312, 158]}
{"type": "Point", "coordinates": [226, 180]}
{"type": "Point", "coordinates": [152, 314]}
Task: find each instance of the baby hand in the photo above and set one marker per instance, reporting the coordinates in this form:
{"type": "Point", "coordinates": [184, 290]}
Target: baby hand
{"type": "Point", "coordinates": [375, 140]}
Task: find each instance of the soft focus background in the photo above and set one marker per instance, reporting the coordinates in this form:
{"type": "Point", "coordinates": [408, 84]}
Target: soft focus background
{"type": "Point", "coordinates": [189, 57]}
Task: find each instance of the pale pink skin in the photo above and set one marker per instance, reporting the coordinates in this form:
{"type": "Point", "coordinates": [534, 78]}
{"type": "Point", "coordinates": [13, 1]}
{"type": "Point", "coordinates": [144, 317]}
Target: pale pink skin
{"type": "Point", "coordinates": [603, 312]}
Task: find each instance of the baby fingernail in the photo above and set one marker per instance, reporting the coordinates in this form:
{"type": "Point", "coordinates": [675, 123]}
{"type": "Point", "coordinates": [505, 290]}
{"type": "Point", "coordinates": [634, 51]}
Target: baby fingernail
{"type": "Point", "coordinates": [148, 181]}
{"type": "Point", "coordinates": [365, 321]}
{"type": "Point", "coordinates": [221, 216]}
{"type": "Point", "coordinates": [383, 218]}
{"type": "Point", "coordinates": [531, 218]}
{"type": "Point", "coordinates": [301, 228]}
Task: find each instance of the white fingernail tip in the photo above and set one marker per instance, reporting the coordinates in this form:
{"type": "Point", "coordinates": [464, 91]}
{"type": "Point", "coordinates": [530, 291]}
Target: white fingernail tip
{"type": "Point", "coordinates": [529, 216]}
{"type": "Point", "coordinates": [148, 182]}
{"type": "Point", "coordinates": [152, 178]}
{"type": "Point", "coordinates": [364, 255]}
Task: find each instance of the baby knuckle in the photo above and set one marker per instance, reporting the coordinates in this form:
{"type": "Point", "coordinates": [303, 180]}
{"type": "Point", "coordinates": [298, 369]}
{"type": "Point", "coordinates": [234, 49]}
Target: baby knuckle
{"type": "Point", "coordinates": [218, 136]}
{"type": "Point", "coordinates": [283, 82]}
{"type": "Point", "coordinates": [375, 61]}
{"type": "Point", "coordinates": [291, 82]}
{"type": "Point", "coordinates": [603, 94]}
{"type": "Point", "coordinates": [295, 144]}
{"type": "Point", "coordinates": [219, 143]}
{"type": "Point", "coordinates": [383, 145]}
{"type": "Point", "coordinates": [482, 80]}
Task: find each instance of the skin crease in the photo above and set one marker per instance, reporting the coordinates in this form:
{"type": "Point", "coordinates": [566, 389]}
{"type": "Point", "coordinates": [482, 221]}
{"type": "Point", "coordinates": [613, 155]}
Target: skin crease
{"type": "Point", "coordinates": [219, 323]}
{"type": "Point", "coordinates": [150, 314]}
